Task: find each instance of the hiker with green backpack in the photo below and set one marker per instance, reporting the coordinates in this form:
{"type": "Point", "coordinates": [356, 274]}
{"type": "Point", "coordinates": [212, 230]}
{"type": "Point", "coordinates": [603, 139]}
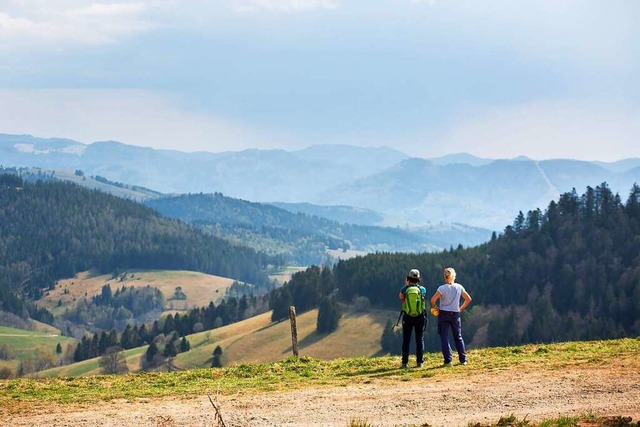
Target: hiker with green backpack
{"type": "Point", "coordinates": [413, 298]}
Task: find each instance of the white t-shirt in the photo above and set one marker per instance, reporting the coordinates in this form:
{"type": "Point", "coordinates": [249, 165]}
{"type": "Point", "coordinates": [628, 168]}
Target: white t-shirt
{"type": "Point", "coordinates": [450, 296]}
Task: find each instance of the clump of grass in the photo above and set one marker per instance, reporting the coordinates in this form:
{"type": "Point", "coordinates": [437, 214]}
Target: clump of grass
{"type": "Point", "coordinates": [563, 421]}
{"type": "Point", "coordinates": [512, 421]}
{"type": "Point", "coordinates": [560, 422]}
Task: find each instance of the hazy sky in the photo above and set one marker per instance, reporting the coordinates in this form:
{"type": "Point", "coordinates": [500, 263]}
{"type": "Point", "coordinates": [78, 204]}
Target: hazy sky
{"type": "Point", "coordinates": [501, 78]}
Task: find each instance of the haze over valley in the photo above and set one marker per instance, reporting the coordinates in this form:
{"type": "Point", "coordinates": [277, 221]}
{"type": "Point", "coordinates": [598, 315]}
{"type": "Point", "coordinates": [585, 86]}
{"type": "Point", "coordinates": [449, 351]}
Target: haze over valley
{"type": "Point", "coordinates": [379, 186]}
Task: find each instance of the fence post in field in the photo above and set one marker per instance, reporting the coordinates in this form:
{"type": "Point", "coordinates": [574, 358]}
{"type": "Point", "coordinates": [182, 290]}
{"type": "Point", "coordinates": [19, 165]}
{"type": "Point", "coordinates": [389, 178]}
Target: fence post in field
{"type": "Point", "coordinates": [294, 330]}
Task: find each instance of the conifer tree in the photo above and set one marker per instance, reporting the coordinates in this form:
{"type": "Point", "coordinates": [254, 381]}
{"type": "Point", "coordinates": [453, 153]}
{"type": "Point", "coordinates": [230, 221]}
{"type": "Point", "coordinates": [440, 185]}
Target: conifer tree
{"type": "Point", "coordinates": [151, 353]}
{"type": "Point", "coordinates": [328, 315]}
{"type": "Point", "coordinates": [389, 340]}
{"type": "Point", "coordinates": [184, 345]}
{"type": "Point", "coordinates": [217, 357]}
{"type": "Point", "coordinates": [170, 349]}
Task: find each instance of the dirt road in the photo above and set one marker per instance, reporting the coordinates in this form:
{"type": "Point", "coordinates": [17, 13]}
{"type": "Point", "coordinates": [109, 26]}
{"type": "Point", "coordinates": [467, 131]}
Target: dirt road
{"type": "Point", "coordinates": [609, 389]}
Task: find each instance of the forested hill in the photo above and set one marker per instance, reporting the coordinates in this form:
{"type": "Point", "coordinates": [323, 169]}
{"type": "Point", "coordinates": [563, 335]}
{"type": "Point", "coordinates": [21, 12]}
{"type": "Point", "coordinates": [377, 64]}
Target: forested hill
{"type": "Point", "coordinates": [50, 231]}
{"type": "Point", "coordinates": [570, 273]}
{"type": "Point", "coordinates": [304, 238]}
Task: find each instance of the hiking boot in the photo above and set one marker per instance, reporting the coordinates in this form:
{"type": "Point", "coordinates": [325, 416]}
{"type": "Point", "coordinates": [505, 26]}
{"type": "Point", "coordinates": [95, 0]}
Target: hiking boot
{"type": "Point", "coordinates": [419, 365]}
{"type": "Point", "coordinates": [463, 363]}
{"type": "Point", "coordinates": [446, 365]}
{"type": "Point", "coordinates": [403, 366]}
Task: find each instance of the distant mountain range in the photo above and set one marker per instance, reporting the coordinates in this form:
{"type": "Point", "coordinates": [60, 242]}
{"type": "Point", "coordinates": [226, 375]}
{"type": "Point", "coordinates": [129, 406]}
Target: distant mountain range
{"type": "Point", "coordinates": [417, 191]}
{"type": "Point", "coordinates": [366, 186]}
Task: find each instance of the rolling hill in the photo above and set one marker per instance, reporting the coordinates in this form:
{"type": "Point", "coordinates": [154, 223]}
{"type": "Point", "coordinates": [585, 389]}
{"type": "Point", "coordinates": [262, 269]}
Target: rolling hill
{"type": "Point", "coordinates": [52, 231]}
{"type": "Point", "coordinates": [259, 340]}
{"type": "Point", "coordinates": [301, 238]}
{"type": "Point", "coordinates": [300, 234]}
{"type": "Point", "coordinates": [418, 191]}
{"type": "Point", "coordinates": [458, 188]}
{"type": "Point", "coordinates": [19, 346]}
{"type": "Point", "coordinates": [198, 288]}
{"type": "Point", "coordinates": [257, 175]}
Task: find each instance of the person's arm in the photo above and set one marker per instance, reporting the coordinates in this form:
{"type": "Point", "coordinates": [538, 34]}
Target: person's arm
{"type": "Point", "coordinates": [467, 301]}
{"type": "Point", "coordinates": [434, 298]}
{"type": "Point", "coordinates": [402, 296]}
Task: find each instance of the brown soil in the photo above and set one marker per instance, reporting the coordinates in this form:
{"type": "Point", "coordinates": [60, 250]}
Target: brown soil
{"type": "Point", "coordinates": [457, 400]}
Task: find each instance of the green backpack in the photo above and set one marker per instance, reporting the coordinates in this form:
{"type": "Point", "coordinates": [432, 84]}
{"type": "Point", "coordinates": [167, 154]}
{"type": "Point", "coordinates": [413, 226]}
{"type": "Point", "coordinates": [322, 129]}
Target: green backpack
{"type": "Point", "coordinates": [414, 304]}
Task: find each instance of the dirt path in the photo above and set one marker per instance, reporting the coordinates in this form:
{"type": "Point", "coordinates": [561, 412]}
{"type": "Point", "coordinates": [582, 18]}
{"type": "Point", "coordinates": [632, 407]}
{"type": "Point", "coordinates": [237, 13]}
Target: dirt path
{"type": "Point", "coordinates": [613, 389]}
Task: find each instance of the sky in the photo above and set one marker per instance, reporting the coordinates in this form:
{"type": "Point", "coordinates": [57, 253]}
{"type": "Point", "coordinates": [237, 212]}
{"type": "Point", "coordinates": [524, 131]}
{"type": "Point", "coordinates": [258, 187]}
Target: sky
{"type": "Point", "coordinates": [493, 78]}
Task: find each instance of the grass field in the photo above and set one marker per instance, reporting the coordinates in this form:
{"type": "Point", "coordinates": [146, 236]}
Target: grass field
{"type": "Point", "coordinates": [89, 182]}
{"type": "Point", "coordinates": [24, 344]}
{"type": "Point", "coordinates": [200, 288]}
{"type": "Point", "coordinates": [91, 366]}
{"type": "Point", "coordinates": [291, 373]}
{"type": "Point", "coordinates": [257, 340]}
{"type": "Point", "coordinates": [282, 275]}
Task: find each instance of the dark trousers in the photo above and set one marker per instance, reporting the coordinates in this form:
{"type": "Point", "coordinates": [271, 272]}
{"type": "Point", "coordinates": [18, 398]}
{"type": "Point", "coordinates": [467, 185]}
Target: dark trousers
{"type": "Point", "coordinates": [415, 324]}
{"type": "Point", "coordinates": [449, 320]}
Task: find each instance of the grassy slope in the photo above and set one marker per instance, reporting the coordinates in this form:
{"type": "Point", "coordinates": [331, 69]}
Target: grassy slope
{"type": "Point", "coordinates": [258, 340]}
{"type": "Point", "coordinates": [200, 288]}
{"type": "Point", "coordinates": [24, 343]}
{"type": "Point", "coordinates": [91, 366]}
{"type": "Point", "coordinates": [282, 275]}
{"type": "Point", "coordinates": [305, 371]}
{"type": "Point", "coordinates": [125, 193]}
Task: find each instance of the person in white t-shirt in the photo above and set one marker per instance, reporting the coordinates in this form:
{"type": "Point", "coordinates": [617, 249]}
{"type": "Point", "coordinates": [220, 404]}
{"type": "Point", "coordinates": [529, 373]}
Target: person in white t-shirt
{"type": "Point", "coordinates": [450, 309]}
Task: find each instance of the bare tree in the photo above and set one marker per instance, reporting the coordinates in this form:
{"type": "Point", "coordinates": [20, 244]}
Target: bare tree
{"type": "Point", "coordinates": [5, 373]}
{"type": "Point", "coordinates": [113, 361]}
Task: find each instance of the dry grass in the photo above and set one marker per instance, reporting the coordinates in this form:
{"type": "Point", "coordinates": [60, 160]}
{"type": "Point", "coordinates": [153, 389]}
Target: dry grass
{"type": "Point", "coordinates": [258, 340]}
{"type": "Point", "coordinates": [200, 288]}
{"type": "Point", "coordinates": [284, 274]}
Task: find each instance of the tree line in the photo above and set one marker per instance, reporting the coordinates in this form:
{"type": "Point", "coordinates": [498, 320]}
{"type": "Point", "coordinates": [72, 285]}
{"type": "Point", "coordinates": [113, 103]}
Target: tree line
{"type": "Point", "coordinates": [110, 310]}
{"type": "Point", "coordinates": [229, 310]}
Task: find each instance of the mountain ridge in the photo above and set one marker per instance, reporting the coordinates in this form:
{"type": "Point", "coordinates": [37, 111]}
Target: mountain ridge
{"type": "Point", "coordinates": [459, 187]}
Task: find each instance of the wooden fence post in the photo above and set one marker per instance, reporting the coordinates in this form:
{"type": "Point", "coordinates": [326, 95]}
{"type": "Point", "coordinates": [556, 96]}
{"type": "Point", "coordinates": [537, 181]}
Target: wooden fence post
{"type": "Point", "coordinates": [294, 330]}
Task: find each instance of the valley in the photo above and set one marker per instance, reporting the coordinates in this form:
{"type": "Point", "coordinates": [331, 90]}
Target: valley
{"type": "Point", "coordinates": [288, 213]}
{"type": "Point", "coordinates": [190, 286]}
